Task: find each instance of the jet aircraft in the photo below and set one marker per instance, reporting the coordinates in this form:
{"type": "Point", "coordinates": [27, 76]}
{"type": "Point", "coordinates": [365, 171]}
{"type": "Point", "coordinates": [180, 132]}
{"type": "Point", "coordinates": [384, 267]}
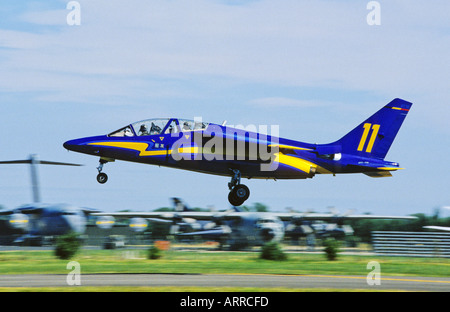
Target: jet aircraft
{"type": "Point", "coordinates": [237, 153]}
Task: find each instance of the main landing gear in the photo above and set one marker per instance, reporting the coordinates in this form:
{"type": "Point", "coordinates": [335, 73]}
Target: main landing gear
{"type": "Point", "coordinates": [239, 193]}
{"type": "Point", "coordinates": [101, 177]}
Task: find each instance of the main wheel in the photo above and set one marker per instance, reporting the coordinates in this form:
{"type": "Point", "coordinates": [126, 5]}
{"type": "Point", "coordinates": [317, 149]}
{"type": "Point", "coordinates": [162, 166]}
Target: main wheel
{"type": "Point", "coordinates": [102, 178]}
{"type": "Point", "coordinates": [238, 195]}
{"type": "Point", "coordinates": [232, 199]}
{"type": "Point", "coordinates": [242, 192]}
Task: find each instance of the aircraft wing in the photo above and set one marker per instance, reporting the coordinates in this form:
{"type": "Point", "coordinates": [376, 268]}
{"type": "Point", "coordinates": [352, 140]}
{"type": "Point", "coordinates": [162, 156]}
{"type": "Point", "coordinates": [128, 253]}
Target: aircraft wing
{"type": "Point", "coordinates": [331, 216]}
{"type": "Point", "coordinates": [24, 210]}
{"type": "Point", "coordinates": [439, 228]}
{"type": "Point", "coordinates": [173, 214]}
{"type": "Point", "coordinates": [233, 215]}
{"type": "Point", "coordinates": [213, 232]}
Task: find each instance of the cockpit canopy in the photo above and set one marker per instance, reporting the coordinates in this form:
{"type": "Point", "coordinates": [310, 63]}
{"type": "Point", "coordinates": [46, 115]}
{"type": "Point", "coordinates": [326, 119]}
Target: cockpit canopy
{"type": "Point", "coordinates": [159, 126]}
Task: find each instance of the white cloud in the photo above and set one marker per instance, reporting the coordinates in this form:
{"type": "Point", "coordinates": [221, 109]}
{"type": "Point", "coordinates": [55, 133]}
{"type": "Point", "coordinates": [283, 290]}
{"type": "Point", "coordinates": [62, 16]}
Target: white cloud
{"type": "Point", "coordinates": [118, 48]}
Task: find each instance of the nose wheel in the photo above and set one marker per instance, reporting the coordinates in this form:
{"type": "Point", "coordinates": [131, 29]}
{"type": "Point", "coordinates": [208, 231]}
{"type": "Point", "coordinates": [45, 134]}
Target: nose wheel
{"type": "Point", "coordinates": [239, 193]}
{"type": "Point", "coordinates": [101, 177]}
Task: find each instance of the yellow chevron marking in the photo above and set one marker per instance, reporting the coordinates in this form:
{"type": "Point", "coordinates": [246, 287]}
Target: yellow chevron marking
{"type": "Point", "coordinates": [137, 146]}
{"type": "Point", "coordinates": [299, 163]}
{"type": "Point", "coordinates": [188, 150]}
{"type": "Point", "coordinates": [142, 148]}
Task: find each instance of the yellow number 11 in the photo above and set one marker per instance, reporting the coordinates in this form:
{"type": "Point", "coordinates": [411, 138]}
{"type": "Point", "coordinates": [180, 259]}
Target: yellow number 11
{"type": "Point", "coordinates": [375, 129]}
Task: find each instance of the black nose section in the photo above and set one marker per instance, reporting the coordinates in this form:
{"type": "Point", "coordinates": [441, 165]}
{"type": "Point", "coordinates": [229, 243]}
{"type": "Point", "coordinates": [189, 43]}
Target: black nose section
{"type": "Point", "coordinates": [79, 145]}
{"type": "Point", "coordinates": [67, 145]}
{"type": "Point", "coordinates": [85, 145]}
{"type": "Point", "coordinates": [71, 145]}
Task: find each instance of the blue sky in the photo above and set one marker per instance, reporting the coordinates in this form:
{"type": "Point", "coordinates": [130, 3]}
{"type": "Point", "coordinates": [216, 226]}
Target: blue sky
{"type": "Point", "coordinates": [315, 68]}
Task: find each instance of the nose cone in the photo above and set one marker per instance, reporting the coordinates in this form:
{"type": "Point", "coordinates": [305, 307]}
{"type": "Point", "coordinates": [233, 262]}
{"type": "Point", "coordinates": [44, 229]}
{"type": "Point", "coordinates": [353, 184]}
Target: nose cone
{"type": "Point", "coordinates": [73, 145]}
{"type": "Point", "coordinates": [83, 145]}
{"type": "Point", "coordinates": [68, 145]}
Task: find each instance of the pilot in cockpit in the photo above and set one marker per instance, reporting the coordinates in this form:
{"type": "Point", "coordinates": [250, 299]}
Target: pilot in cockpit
{"type": "Point", "coordinates": [198, 126]}
{"type": "Point", "coordinates": [143, 130]}
{"type": "Point", "coordinates": [187, 126]}
{"type": "Point", "coordinates": [155, 129]}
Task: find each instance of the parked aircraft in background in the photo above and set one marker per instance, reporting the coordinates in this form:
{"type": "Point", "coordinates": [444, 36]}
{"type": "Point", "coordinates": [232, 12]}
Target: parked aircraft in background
{"type": "Point", "coordinates": [436, 227]}
{"type": "Point", "coordinates": [217, 149]}
{"type": "Point", "coordinates": [439, 228]}
{"type": "Point", "coordinates": [37, 220]}
{"type": "Point", "coordinates": [237, 228]}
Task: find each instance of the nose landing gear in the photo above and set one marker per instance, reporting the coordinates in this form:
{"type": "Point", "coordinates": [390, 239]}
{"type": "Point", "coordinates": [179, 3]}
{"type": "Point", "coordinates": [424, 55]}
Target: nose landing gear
{"type": "Point", "coordinates": [101, 177]}
{"type": "Point", "coordinates": [239, 193]}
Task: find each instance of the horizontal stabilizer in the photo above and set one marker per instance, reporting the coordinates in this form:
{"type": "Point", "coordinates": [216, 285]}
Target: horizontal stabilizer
{"type": "Point", "coordinates": [375, 170]}
{"type": "Point", "coordinates": [381, 174]}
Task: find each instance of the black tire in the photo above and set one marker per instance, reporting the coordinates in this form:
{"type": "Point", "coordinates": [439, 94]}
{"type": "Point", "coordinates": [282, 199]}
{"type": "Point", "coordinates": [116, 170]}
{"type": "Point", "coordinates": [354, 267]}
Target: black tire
{"type": "Point", "coordinates": [238, 195]}
{"type": "Point", "coordinates": [231, 198]}
{"type": "Point", "coordinates": [102, 178]}
{"type": "Point", "coordinates": [242, 192]}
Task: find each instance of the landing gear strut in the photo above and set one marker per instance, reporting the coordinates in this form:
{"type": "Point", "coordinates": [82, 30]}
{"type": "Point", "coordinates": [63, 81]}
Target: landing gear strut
{"type": "Point", "coordinates": [101, 177]}
{"type": "Point", "coordinates": [239, 193]}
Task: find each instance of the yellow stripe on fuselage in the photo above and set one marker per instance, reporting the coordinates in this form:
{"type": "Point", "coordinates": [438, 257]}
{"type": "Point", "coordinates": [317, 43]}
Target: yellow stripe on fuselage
{"type": "Point", "coordinates": [142, 148]}
{"type": "Point", "coordinates": [137, 146]}
{"type": "Point", "coordinates": [299, 163]}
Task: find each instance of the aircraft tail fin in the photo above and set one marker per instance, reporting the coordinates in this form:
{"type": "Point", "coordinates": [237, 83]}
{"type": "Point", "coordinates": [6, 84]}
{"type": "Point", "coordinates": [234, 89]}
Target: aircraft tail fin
{"type": "Point", "coordinates": [179, 205]}
{"type": "Point", "coordinates": [373, 137]}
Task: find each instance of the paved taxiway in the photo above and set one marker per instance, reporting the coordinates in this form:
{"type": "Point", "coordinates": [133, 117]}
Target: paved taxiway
{"type": "Point", "coordinates": [231, 280]}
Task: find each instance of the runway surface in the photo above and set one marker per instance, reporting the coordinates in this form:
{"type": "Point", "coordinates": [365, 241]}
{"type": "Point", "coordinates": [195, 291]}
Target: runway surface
{"type": "Point", "coordinates": [331, 282]}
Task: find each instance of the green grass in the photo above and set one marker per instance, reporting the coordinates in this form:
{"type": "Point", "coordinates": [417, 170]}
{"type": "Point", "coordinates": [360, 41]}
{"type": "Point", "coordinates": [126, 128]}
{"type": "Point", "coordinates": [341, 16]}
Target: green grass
{"type": "Point", "coordinates": [183, 262]}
